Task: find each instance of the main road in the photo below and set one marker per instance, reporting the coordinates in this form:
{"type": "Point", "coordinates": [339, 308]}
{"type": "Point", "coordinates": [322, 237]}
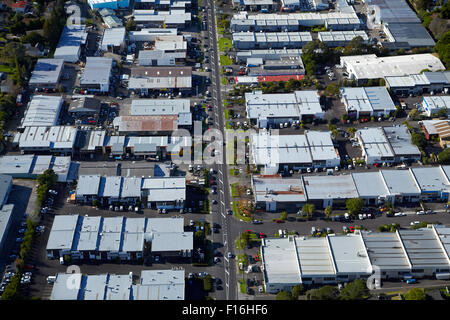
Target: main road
{"type": "Point", "coordinates": [227, 233]}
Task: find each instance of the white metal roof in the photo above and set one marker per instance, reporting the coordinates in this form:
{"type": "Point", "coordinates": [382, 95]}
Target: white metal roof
{"type": "Point", "coordinates": [350, 255]}
{"type": "Point", "coordinates": [42, 111]}
{"type": "Point", "coordinates": [330, 187]}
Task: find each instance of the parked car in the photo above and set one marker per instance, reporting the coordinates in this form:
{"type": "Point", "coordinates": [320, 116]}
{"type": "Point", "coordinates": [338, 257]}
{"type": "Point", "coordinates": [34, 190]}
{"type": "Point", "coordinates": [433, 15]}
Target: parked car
{"type": "Point", "coordinates": [411, 281]}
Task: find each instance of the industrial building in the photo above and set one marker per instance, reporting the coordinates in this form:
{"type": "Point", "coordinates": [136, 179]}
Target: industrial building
{"type": "Point", "coordinates": [276, 22]}
{"type": "Point", "coordinates": [97, 74]}
{"type": "Point", "coordinates": [400, 23]}
{"type": "Point", "coordinates": [270, 40]}
{"type": "Point", "coordinates": [341, 38]}
{"type": "Point", "coordinates": [110, 4]}
{"type": "Point", "coordinates": [150, 34]}
{"type": "Point", "coordinates": [143, 79]}
{"type": "Point", "coordinates": [71, 43]}
{"type": "Point", "coordinates": [30, 166]}
{"type": "Point", "coordinates": [364, 67]}
{"type": "Point", "coordinates": [42, 111]}
{"type": "Point", "coordinates": [255, 5]}
{"type": "Point", "coordinates": [84, 105]}
{"type": "Point", "coordinates": [146, 125]}
{"type": "Point", "coordinates": [268, 110]}
{"type": "Point", "coordinates": [433, 104]}
{"type": "Point", "coordinates": [387, 145]}
{"type": "Point", "coordinates": [46, 74]}
{"type": "Point", "coordinates": [6, 210]}
{"type": "Point", "coordinates": [437, 128]}
{"type": "Point", "coordinates": [99, 238]}
{"type": "Point", "coordinates": [335, 259]}
{"type": "Point", "coordinates": [267, 54]}
{"type": "Point", "coordinates": [157, 192]}
{"type": "Point", "coordinates": [113, 40]}
{"type": "Point", "coordinates": [153, 285]}
{"type": "Point", "coordinates": [159, 19]}
{"type": "Point", "coordinates": [274, 153]}
{"type": "Point", "coordinates": [367, 102]}
{"type": "Point", "coordinates": [46, 139]}
{"type": "Point", "coordinates": [157, 107]}
{"type": "Point", "coordinates": [417, 84]}
{"type": "Point", "coordinates": [160, 58]}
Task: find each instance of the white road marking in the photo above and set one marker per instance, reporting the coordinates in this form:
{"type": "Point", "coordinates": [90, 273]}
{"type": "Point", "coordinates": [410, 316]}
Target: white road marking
{"type": "Point", "coordinates": [222, 203]}
{"type": "Point", "coordinates": [221, 182]}
{"type": "Point", "coordinates": [226, 271]}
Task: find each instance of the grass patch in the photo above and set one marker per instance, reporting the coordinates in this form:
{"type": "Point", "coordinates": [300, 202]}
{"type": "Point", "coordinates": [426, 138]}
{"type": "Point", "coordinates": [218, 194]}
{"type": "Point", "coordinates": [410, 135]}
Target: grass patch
{"type": "Point", "coordinates": [237, 213]}
{"type": "Point", "coordinates": [227, 125]}
{"type": "Point", "coordinates": [233, 172]}
{"type": "Point", "coordinates": [6, 69]}
{"type": "Point", "coordinates": [235, 190]}
{"type": "Point", "coordinates": [225, 43]}
{"type": "Point", "coordinates": [225, 60]}
{"type": "Point", "coordinates": [242, 286]}
{"type": "Point", "coordinates": [224, 81]}
{"type": "Point", "coordinates": [227, 114]}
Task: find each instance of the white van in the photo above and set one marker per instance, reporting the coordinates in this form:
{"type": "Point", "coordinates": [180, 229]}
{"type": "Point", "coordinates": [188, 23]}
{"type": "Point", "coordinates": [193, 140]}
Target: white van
{"type": "Point", "coordinates": [61, 260]}
{"type": "Point", "coordinates": [280, 233]}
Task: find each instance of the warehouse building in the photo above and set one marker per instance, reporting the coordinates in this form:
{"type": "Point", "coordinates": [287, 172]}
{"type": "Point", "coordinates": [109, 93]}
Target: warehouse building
{"type": "Point", "coordinates": [269, 110]}
{"type": "Point", "coordinates": [387, 145]}
{"type": "Point", "coordinates": [150, 34]}
{"type": "Point", "coordinates": [6, 220]}
{"type": "Point", "coordinates": [30, 166]}
{"type": "Point", "coordinates": [336, 259]}
{"type": "Point", "coordinates": [159, 19]}
{"type": "Point", "coordinates": [145, 79]}
{"type": "Point", "coordinates": [433, 104]}
{"type": "Point", "coordinates": [159, 58]}
{"type": "Point", "coordinates": [84, 106]}
{"type": "Point", "coordinates": [155, 147]}
{"type": "Point", "coordinates": [113, 40]}
{"type": "Point", "coordinates": [42, 111]}
{"type": "Point", "coordinates": [273, 153]}
{"type": "Point", "coordinates": [99, 238]}
{"type": "Point", "coordinates": [292, 22]}
{"type": "Point", "coordinates": [364, 67]}
{"type": "Point", "coordinates": [153, 285]}
{"type": "Point", "coordinates": [367, 102]}
{"type": "Point", "coordinates": [341, 38]}
{"type": "Point", "coordinates": [267, 54]}
{"type": "Point", "coordinates": [146, 125]}
{"type": "Point", "coordinates": [300, 260]}
{"type": "Point", "coordinates": [274, 193]}
{"type": "Point", "coordinates": [43, 139]}
{"type": "Point", "coordinates": [270, 40]}
{"type": "Point", "coordinates": [46, 74]}
{"type": "Point", "coordinates": [437, 128]}
{"type": "Point", "coordinates": [372, 188]}
{"type": "Point", "coordinates": [110, 4]}
{"type": "Point", "coordinates": [157, 107]}
{"type": "Point", "coordinates": [97, 74]}
{"type": "Point", "coordinates": [72, 43]}
{"type": "Point", "coordinates": [255, 5]}
{"type": "Point", "coordinates": [417, 84]}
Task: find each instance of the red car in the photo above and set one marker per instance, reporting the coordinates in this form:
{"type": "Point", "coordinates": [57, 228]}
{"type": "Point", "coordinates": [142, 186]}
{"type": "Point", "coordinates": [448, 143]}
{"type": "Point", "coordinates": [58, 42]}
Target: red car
{"type": "Point", "coordinates": [279, 221]}
{"type": "Point", "coordinates": [256, 257]}
{"type": "Point", "coordinates": [29, 267]}
{"type": "Point", "coordinates": [352, 229]}
{"type": "Point", "coordinates": [249, 231]}
{"type": "Point", "coordinates": [261, 235]}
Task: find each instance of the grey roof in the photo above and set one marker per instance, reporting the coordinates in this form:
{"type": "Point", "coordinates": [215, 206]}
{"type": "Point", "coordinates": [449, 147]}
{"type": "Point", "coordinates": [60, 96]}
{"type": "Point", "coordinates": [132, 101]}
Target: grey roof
{"type": "Point", "coordinates": [131, 187]}
{"type": "Point", "coordinates": [157, 107]}
{"type": "Point", "coordinates": [133, 237]}
{"type": "Point", "coordinates": [55, 138]}
{"type": "Point", "coordinates": [5, 185]}
{"type": "Point", "coordinates": [118, 287]}
{"type": "Point", "coordinates": [400, 182]}
{"type": "Point", "coordinates": [113, 21]}
{"type": "Point", "coordinates": [314, 257]}
{"type": "Point", "coordinates": [111, 234]}
{"type": "Point", "coordinates": [61, 291]}
{"type": "Point", "coordinates": [46, 71]}
{"type": "Point", "coordinates": [350, 255]}
{"type": "Point", "coordinates": [16, 164]}
{"type": "Point", "coordinates": [370, 184]}
{"type": "Point", "coordinates": [113, 37]}
{"type": "Point", "coordinates": [72, 37]}
{"type": "Point", "coordinates": [385, 251]}
{"type": "Point", "coordinates": [89, 234]}
{"type": "Point", "coordinates": [84, 104]}
{"type": "Point", "coordinates": [160, 285]}
{"type": "Point", "coordinates": [444, 237]}
{"type": "Point", "coordinates": [424, 249]}
{"type": "Point", "coordinates": [413, 33]}
{"type": "Point", "coordinates": [394, 11]}
{"type": "Point", "coordinates": [165, 225]}
{"type": "Point", "coordinates": [431, 179]}
{"type": "Point", "coordinates": [62, 233]}
{"type": "Point", "coordinates": [95, 287]}
{"type": "Point", "coordinates": [164, 189]}
{"type": "Point", "coordinates": [5, 218]}
{"type": "Point", "coordinates": [367, 99]}
{"type": "Point", "coordinates": [330, 187]}
{"type": "Point", "coordinates": [400, 140]}
{"type": "Point", "coordinates": [275, 188]}
{"type": "Point", "coordinates": [172, 241]}
{"type": "Point", "coordinates": [110, 187]}
{"type": "Point", "coordinates": [96, 71]}
{"type": "Point", "coordinates": [88, 185]}
{"type": "Point", "coordinates": [42, 111]}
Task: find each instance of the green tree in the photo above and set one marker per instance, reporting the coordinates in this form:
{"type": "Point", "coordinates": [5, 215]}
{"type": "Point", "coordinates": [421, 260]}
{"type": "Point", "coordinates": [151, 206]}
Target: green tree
{"type": "Point", "coordinates": [442, 112]}
{"type": "Point", "coordinates": [283, 295]}
{"type": "Point", "coordinates": [415, 294]}
{"type": "Point", "coordinates": [207, 283]}
{"type": "Point", "coordinates": [354, 205]}
{"type": "Point", "coordinates": [297, 290]}
{"type": "Point", "coordinates": [131, 25]}
{"type": "Point", "coordinates": [308, 209]}
{"type": "Point", "coordinates": [351, 130]}
{"type": "Point", "coordinates": [442, 47]}
{"type": "Point", "coordinates": [324, 293]}
{"type": "Point", "coordinates": [328, 211]}
{"type": "Point", "coordinates": [419, 140]}
{"type": "Point", "coordinates": [32, 38]}
{"type": "Point", "coordinates": [445, 11]}
{"type": "Point", "coordinates": [356, 290]}
{"type": "Point", "coordinates": [414, 114]}
{"type": "Point", "coordinates": [444, 156]}
{"type": "Point", "coordinates": [245, 238]}
{"type": "Point", "coordinates": [332, 89]}
{"type": "Point", "coordinates": [283, 215]}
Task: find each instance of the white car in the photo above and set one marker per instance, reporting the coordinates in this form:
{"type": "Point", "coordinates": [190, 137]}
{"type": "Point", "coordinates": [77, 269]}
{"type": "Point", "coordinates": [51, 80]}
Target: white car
{"type": "Point", "coordinates": [249, 192]}
{"type": "Point", "coordinates": [360, 216]}
{"type": "Point", "coordinates": [413, 223]}
{"type": "Point", "coordinates": [399, 214]}
{"type": "Point", "coordinates": [420, 212]}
